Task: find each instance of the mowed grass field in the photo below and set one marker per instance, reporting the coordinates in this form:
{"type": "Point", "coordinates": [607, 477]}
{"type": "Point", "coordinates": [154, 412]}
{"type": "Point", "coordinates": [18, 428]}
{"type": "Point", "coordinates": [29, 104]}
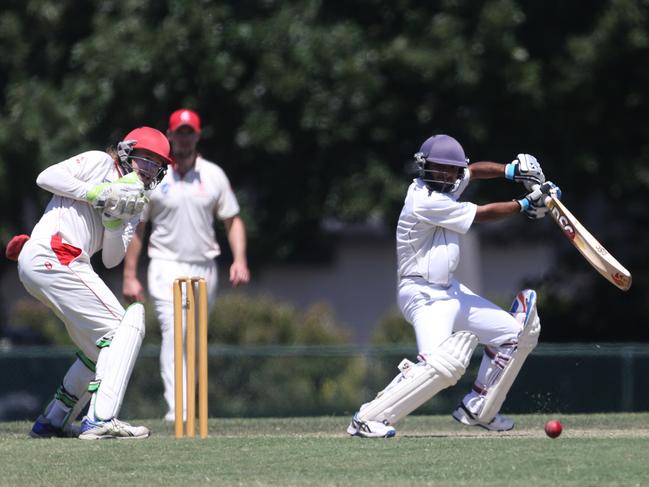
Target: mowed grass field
{"type": "Point", "coordinates": [594, 450]}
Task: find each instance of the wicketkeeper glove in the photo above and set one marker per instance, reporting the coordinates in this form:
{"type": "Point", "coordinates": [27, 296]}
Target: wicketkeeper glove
{"type": "Point", "coordinates": [122, 198]}
{"type": "Point", "coordinates": [125, 208]}
{"type": "Point", "coordinates": [525, 169]}
{"type": "Point", "coordinates": [111, 223]}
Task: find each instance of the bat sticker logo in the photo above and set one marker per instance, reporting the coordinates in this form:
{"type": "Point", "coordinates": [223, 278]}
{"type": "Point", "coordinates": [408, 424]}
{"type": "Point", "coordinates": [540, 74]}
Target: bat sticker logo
{"type": "Point", "coordinates": [619, 278]}
{"type": "Point", "coordinates": [564, 223]}
{"type": "Point", "coordinates": [596, 255]}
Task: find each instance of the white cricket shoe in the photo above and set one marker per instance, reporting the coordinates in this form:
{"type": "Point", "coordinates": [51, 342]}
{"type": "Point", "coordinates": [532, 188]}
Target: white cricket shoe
{"type": "Point", "coordinates": [370, 429]}
{"type": "Point", "coordinates": [111, 429]}
{"type": "Point", "coordinates": [466, 417]}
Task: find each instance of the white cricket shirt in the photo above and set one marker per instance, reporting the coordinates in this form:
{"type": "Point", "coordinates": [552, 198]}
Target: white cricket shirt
{"type": "Point", "coordinates": [182, 212]}
{"type": "Point", "coordinates": [70, 216]}
{"type": "Point", "coordinates": [428, 233]}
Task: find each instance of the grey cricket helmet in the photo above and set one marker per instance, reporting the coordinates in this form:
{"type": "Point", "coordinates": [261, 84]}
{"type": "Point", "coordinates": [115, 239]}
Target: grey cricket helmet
{"type": "Point", "coordinates": [435, 152]}
{"type": "Point", "coordinates": [443, 149]}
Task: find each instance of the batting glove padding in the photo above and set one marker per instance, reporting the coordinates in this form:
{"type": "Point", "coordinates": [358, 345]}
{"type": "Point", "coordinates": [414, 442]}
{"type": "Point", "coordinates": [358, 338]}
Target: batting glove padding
{"type": "Point", "coordinates": [525, 169]}
{"type": "Point", "coordinates": [533, 204]}
{"type": "Point", "coordinates": [550, 189]}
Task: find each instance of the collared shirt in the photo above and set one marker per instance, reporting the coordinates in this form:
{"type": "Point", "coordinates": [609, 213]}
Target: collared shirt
{"type": "Point", "coordinates": [182, 212]}
{"type": "Point", "coordinates": [69, 216]}
{"type": "Point", "coordinates": [429, 230]}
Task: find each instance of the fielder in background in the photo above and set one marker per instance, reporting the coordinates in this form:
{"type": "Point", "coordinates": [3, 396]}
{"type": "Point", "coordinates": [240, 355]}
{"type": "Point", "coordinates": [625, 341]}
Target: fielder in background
{"type": "Point", "coordinates": [448, 318]}
{"type": "Point", "coordinates": [97, 201]}
{"type": "Point", "coordinates": [182, 242]}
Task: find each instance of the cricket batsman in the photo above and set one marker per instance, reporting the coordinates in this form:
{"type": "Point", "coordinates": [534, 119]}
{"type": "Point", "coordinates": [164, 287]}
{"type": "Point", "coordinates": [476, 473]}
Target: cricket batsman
{"type": "Point", "coordinates": [448, 318]}
{"type": "Point", "coordinates": [97, 199]}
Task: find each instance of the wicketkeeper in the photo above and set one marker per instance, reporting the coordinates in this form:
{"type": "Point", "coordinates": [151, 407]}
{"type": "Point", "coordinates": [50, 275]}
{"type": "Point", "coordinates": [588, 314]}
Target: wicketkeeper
{"type": "Point", "coordinates": [448, 318]}
{"type": "Point", "coordinates": [96, 204]}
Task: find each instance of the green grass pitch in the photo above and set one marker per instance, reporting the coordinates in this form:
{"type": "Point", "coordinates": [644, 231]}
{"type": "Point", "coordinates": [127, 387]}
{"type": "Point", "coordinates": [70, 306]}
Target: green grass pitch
{"type": "Point", "coordinates": [601, 450]}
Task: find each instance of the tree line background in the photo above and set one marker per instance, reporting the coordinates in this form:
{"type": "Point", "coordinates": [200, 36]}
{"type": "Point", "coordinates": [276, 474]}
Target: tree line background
{"type": "Point", "coordinates": [314, 109]}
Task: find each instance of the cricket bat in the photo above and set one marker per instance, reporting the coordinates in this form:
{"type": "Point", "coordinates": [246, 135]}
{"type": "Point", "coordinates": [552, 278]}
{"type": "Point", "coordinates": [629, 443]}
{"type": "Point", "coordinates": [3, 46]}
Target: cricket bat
{"type": "Point", "coordinates": [593, 251]}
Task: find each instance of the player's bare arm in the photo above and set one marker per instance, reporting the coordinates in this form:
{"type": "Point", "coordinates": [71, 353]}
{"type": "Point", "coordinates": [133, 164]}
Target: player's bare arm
{"type": "Point", "coordinates": [486, 170]}
{"type": "Point", "coordinates": [525, 169]}
{"type": "Point", "coordinates": [533, 205]}
{"type": "Point", "coordinates": [236, 230]}
{"type": "Point", "coordinates": [496, 211]}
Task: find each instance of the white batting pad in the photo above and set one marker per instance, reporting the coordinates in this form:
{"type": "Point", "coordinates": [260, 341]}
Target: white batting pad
{"type": "Point", "coordinates": [509, 364]}
{"type": "Point", "coordinates": [115, 363]}
{"type": "Point", "coordinates": [417, 383]}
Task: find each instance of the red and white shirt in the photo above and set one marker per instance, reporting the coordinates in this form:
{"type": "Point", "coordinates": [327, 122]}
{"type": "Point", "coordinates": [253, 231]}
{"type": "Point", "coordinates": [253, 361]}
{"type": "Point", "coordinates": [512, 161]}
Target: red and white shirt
{"type": "Point", "coordinates": [71, 218]}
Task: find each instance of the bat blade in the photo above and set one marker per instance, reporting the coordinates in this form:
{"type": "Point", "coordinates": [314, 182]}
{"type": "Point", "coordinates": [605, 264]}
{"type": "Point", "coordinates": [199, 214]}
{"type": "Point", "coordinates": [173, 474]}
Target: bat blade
{"type": "Point", "coordinates": [593, 251]}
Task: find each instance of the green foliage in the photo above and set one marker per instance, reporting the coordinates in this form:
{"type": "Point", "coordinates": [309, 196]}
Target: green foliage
{"type": "Point", "coordinates": [279, 385]}
{"type": "Point", "coordinates": [393, 329]}
{"type": "Point", "coordinates": [237, 319]}
{"type": "Point", "coordinates": [33, 323]}
{"type": "Point", "coordinates": [314, 108]}
{"type": "Point", "coordinates": [258, 381]}
{"type": "Point", "coordinates": [241, 320]}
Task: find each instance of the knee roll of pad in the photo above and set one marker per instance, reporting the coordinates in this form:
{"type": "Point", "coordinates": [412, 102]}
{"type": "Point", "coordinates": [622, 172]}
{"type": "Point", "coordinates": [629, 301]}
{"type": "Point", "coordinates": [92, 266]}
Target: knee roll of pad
{"type": "Point", "coordinates": [523, 308]}
{"type": "Point", "coordinates": [417, 383]}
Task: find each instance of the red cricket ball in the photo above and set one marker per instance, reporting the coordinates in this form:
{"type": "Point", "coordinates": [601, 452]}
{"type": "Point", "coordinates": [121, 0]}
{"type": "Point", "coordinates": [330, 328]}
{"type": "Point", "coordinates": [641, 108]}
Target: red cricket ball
{"type": "Point", "coordinates": [553, 428]}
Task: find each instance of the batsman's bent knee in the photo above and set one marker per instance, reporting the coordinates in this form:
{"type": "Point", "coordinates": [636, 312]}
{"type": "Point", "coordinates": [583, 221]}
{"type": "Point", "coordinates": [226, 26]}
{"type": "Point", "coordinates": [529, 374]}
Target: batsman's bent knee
{"type": "Point", "coordinates": [417, 383]}
{"type": "Point", "coordinates": [495, 391]}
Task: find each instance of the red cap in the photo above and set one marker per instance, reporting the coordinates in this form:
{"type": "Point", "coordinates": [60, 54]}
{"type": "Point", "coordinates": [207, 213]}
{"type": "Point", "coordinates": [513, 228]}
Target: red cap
{"type": "Point", "coordinates": [152, 140]}
{"type": "Point", "coordinates": [182, 117]}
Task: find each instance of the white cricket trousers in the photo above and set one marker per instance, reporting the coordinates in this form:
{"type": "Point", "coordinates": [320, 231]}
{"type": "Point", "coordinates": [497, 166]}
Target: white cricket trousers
{"type": "Point", "coordinates": [65, 282]}
{"type": "Point", "coordinates": [74, 291]}
{"type": "Point", "coordinates": [161, 276]}
{"type": "Point", "coordinates": [437, 313]}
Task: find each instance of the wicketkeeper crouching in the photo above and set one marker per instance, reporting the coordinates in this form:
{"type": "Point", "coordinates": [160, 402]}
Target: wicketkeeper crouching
{"type": "Point", "coordinates": [448, 318]}
{"type": "Point", "coordinates": [96, 204]}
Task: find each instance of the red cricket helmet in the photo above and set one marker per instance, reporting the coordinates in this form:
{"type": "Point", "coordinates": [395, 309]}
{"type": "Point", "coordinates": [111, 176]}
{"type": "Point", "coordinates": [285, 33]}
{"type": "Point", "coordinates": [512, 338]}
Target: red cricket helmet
{"type": "Point", "coordinates": [152, 140]}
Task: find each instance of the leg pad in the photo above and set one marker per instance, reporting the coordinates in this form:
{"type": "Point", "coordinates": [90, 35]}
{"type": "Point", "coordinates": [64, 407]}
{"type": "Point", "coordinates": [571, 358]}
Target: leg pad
{"type": "Point", "coordinates": [115, 364]}
{"type": "Point", "coordinates": [508, 364]}
{"type": "Point", "coordinates": [417, 383]}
